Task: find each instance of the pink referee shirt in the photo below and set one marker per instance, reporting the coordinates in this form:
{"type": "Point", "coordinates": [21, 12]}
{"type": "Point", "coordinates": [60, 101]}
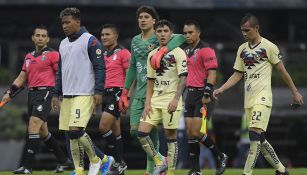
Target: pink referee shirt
{"type": "Point", "coordinates": [41, 68]}
{"type": "Point", "coordinates": [200, 59]}
{"type": "Point", "coordinates": [117, 62]}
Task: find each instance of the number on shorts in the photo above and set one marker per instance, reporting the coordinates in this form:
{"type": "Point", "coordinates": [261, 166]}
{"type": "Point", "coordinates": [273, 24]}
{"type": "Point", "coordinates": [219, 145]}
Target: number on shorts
{"type": "Point", "coordinates": [256, 115]}
{"type": "Point", "coordinates": [78, 113]}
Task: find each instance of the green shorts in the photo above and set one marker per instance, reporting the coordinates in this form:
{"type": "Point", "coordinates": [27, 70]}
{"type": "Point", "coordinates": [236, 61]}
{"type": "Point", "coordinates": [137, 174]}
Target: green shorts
{"type": "Point", "coordinates": [137, 108]}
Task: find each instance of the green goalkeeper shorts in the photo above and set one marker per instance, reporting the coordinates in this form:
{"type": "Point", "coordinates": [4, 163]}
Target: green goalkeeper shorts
{"type": "Point", "coordinates": [137, 108]}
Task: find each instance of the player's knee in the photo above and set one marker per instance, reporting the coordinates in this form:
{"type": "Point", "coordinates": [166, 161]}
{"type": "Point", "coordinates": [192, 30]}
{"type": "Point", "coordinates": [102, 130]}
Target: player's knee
{"type": "Point", "coordinates": [262, 139]}
{"type": "Point", "coordinates": [76, 134]}
{"type": "Point", "coordinates": [141, 134]}
{"type": "Point", "coordinates": [133, 134]}
{"type": "Point", "coordinates": [254, 136]}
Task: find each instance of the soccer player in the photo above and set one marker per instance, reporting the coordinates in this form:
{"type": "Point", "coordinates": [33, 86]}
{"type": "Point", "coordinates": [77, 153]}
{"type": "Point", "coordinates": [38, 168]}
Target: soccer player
{"type": "Point", "coordinates": [39, 70]}
{"type": "Point", "coordinates": [117, 62]}
{"type": "Point", "coordinates": [255, 59]}
{"type": "Point", "coordinates": [141, 45]}
{"type": "Point", "coordinates": [165, 85]}
{"type": "Point", "coordinates": [80, 79]}
{"type": "Point", "coordinates": [202, 65]}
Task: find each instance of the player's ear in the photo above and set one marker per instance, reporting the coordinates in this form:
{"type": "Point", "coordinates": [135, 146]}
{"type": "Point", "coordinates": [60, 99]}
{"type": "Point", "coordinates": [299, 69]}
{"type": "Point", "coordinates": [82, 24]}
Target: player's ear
{"type": "Point", "coordinates": [48, 39]}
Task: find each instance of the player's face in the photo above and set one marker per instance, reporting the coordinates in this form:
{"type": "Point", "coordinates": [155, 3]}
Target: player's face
{"type": "Point", "coordinates": [145, 21]}
{"type": "Point", "coordinates": [108, 37]}
{"type": "Point", "coordinates": [163, 34]}
{"type": "Point", "coordinates": [40, 38]}
{"type": "Point", "coordinates": [70, 25]}
{"type": "Point", "coordinates": [192, 35]}
{"type": "Point", "coordinates": [249, 32]}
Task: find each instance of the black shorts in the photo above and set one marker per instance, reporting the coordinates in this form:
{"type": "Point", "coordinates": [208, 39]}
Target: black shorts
{"type": "Point", "coordinates": [39, 103]}
{"type": "Point", "coordinates": [193, 102]}
{"type": "Point", "coordinates": [111, 98]}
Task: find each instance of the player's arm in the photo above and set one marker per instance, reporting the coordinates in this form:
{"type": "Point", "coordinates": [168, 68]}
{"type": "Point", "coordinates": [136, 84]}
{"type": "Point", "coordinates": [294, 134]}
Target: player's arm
{"type": "Point", "coordinates": [233, 79]}
{"type": "Point", "coordinates": [210, 64]}
{"type": "Point", "coordinates": [55, 61]}
{"type": "Point", "coordinates": [95, 55]}
{"type": "Point", "coordinates": [297, 97]}
{"type": "Point", "coordinates": [15, 88]}
{"type": "Point", "coordinates": [57, 90]}
{"type": "Point", "coordinates": [129, 82]}
{"type": "Point", "coordinates": [176, 41]}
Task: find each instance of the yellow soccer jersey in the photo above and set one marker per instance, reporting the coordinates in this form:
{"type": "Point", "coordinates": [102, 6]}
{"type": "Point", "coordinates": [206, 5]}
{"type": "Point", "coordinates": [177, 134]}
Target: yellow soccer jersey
{"type": "Point", "coordinates": [257, 63]}
{"type": "Point", "coordinates": [173, 65]}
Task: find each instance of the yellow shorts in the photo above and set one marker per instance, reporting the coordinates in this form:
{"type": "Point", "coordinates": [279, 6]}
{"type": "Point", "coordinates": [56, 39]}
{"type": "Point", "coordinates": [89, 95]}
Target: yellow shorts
{"type": "Point", "coordinates": [170, 121]}
{"type": "Point", "coordinates": [258, 116]}
{"type": "Point", "coordinates": [76, 112]}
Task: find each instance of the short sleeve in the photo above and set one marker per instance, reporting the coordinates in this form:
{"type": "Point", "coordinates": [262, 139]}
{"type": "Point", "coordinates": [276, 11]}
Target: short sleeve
{"type": "Point", "coordinates": [209, 58]}
{"type": "Point", "coordinates": [181, 60]}
{"type": "Point", "coordinates": [239, 64]}
{"type": "Point", "coordinates": [274, 55]}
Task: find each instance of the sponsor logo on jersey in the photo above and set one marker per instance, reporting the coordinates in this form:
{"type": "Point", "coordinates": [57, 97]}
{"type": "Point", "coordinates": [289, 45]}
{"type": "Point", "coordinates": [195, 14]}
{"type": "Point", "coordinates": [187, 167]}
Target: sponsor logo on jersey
{"type": "Point", "coordinates": [139, 67]}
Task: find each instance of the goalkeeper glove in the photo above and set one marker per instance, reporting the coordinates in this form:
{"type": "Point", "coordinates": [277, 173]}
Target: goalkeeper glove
{"type": "Point", "coordinates": [156, 58]}
{"type": "Point", "coordinates": [124, 101]}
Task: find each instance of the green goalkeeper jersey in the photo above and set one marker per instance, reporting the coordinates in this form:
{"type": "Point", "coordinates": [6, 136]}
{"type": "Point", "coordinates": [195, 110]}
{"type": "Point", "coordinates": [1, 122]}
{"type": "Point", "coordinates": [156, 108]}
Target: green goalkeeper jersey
{"type": "Point", "coordinates": [138, 63]}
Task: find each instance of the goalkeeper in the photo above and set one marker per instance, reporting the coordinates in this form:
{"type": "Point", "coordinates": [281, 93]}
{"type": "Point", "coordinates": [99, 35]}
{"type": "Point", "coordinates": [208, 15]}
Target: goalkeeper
{"type": "Point", "coordinates": [141, 45]}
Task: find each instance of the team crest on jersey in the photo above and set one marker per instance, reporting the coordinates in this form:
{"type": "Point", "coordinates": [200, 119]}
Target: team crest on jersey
{"type": "Point", "coordinates": [150, 46]}
{"type": "Point", "coordinates": [43, 58]}
{"type": "Point", "coordinates": [114, 57]}
{"type": "Point", "coordinates": [251, 59]}
{"type": "Point", "coordinates": [98, 51]}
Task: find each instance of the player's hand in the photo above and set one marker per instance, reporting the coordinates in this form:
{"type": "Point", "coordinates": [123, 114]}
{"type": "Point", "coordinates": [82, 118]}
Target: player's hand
{"type": "Point", "coordinates": [217, 92]}
{"type": "Point", "coordinates": [55, 102]}
{"type": "Point", "coordinates": [298, 99]}
{"type": "Point", "coordinates": [97, 99]}
{"type": "Point", "coordinates": [172, 106]}
{"type": "Point", "coordinates": [147, 111]}
{"type": "Point", "coordinates": [124, 101]}
{"type": "Point", "coordinates": [5, 99]}
{"type": "Point", "coordinates": [156, 58]}
{"type": "Point", "coordinates": [206, 100]}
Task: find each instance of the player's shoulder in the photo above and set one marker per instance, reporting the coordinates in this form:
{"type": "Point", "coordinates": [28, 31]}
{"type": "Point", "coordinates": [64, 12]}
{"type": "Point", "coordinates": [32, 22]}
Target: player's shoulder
{"type": "Point", "coordinates": [137, 37]}
{"type": "Point", "coordinates": [178, 50]}
{"type": "Point", "coordinates": [268, 43]}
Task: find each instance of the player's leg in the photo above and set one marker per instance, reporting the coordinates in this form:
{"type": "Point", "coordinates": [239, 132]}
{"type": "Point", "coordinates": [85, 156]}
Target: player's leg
{"type": "Point", "coordinates": [144, 130]}
{"type": "Point", "coordinates": [263, 112]}
{"type": "Point", "coordinates": [119, 141]}
{"type": "Point", "coordinates": [137, 109]}
{"type": "Point", "coordinates": [193, 123]}
{"type": "Point", "coordinates": [81, 113]}
{"type": "Point", "coordinates": [53, 145]}
{"type": "Point", "coordinates": [257, 122]}
{"type": "Point", "coordinates": [170, 124]}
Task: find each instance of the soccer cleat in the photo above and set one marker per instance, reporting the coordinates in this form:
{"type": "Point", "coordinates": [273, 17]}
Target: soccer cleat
{"type": "Point", "coordinates": [160, 169]}
{"type": "Point", "coordinates": [146, 173]}
{"type": "Point", "coordinates": [194, 172]}
{"type": "Point", "coordinates": [94, 167]}
{"type": "Point", "coordinates": [22, 170]}
{"type": "Point", "coordinates": [122, 167]}
{"type": "Point", "coordinates": [281, 173]}
{"type": "Point", "coordinates": [104, 169]}
{"type": "Point", "coordinates": [221, 166]}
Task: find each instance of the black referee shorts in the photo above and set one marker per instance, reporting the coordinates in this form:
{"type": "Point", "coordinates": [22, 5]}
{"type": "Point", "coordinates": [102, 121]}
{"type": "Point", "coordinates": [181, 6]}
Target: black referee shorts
{"type": "Point", "coordinates": [193, 102]}
{"type": "Point", "coordinates": [111, 98]}
{"type": "Point", "coordinates": [39, 103]}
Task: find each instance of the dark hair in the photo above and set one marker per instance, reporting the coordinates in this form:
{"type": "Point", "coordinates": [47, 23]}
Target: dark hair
{"type": "Point", "coordinates": [71, 11]}
{"type": "Point", "coordinates": [41, 26]}
{"type": "Point", "coordinates": [112, 26]}
{"type": "Point", "coordinates": [148, 9]}
{"type": "Point", "coordinates": [164, 22]}
{"type": "Point", "coordinates": [252, 19]}
{"type": "Point", "coordinates": [193, 22]}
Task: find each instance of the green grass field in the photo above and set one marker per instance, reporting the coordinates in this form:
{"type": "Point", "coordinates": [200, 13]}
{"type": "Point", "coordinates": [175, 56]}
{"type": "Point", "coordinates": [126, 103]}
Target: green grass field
{"type": "Point", "coordinates": [296, 171]}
